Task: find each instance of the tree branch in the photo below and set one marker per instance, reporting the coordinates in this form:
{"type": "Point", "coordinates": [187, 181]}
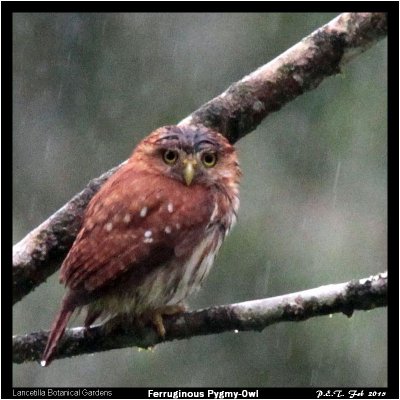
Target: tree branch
{"type": "Point", "coordinates": [363, 294]}
{"type": "Point", "coordinates": [239, 110]}
{"type": "Point", "coordinates": [39, 254]}
{"type": "Point", "coordinates": [234, 113]}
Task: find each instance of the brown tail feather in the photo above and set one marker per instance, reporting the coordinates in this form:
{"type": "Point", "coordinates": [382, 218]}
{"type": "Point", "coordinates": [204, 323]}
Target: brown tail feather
{"type": "Point", "coordinates": [57, 330]}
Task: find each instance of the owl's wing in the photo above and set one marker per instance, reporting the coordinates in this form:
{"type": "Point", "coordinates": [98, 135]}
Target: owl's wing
{"type": "Point", "coordinates": [133, 223]}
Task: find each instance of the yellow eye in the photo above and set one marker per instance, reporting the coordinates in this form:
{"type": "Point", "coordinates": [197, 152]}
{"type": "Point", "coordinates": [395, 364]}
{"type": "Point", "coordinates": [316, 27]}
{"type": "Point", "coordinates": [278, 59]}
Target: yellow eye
{"type": "Point", "coordinates": [170, 156]}
{"type": "Point", "coordinates": [209, 159]}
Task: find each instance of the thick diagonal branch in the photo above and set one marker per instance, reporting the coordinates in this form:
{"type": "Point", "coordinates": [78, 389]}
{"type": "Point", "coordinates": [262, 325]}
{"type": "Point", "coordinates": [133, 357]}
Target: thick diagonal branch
{"type": "Point", "coordinates": [363, 294]}
{"type": "Point", "coordinates": [234, 113]}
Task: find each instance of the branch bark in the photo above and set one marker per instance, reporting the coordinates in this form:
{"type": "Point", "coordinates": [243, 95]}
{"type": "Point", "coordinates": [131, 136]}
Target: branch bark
{"type": "Point", "coordinates": [362, 294]}
{"type": "Point", "coordinates": [234, 113]}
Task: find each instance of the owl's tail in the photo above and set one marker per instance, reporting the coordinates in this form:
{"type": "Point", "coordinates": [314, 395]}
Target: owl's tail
{"type": "Point", "coordinates": [57, 330]}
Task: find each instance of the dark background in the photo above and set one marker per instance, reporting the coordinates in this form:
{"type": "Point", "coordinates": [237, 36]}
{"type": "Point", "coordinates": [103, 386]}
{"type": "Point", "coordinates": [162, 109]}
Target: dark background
{"type": "Point", "coordinates": [88, 86]}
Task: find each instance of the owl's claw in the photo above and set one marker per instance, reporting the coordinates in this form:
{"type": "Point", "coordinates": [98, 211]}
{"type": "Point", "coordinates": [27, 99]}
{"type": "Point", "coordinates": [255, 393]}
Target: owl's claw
{"type": "Point", "coordinates": [156, 316]}
{"type": "Point", "coordinates": [159, 324]}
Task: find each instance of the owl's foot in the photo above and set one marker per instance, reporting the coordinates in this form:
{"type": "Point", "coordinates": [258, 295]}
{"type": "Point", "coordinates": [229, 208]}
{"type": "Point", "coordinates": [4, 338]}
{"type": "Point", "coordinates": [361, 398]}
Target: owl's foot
{"type": "Point", "coordinates": [156, 316]}
{"type": "Point", "coordinates": [91, 316]}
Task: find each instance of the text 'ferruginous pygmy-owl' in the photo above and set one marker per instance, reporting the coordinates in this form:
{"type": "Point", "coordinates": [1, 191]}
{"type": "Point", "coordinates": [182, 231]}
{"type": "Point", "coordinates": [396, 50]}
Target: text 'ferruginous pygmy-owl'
{"type": "Point", "coordinates": [151, 233]}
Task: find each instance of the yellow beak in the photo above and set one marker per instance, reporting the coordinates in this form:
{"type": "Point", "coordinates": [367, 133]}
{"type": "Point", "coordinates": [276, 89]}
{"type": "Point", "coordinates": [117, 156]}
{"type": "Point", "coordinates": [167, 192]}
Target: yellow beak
{"type": "Point", "coordinates": [189, 170]}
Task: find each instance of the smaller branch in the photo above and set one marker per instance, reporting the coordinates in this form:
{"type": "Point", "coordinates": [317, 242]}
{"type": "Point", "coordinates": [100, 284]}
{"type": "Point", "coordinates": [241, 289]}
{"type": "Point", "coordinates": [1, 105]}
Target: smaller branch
{"type": "Point", "coordinates": [362, 294]}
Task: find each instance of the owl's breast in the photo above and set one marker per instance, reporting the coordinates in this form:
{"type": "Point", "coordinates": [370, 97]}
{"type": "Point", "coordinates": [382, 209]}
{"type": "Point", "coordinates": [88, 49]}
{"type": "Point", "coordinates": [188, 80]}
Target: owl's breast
{"type": "Point", "coordinates": [191, 272]}
{"type": "Point", "coordinates": [195, 228]}
{"type": "Point", "coordinates": [173, 282]}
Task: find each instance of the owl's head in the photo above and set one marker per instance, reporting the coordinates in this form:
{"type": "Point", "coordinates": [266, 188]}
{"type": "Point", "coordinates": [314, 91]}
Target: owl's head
{"type": "Point", "coordinates": [191, 155]}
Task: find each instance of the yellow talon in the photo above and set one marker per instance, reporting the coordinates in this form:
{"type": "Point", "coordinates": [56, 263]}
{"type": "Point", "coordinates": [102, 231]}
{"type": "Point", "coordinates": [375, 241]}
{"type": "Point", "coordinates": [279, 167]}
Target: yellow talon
{"type": "Point", "coordinates": [156, 316]}
{"type": "Point", "coordinates": [159, 324]}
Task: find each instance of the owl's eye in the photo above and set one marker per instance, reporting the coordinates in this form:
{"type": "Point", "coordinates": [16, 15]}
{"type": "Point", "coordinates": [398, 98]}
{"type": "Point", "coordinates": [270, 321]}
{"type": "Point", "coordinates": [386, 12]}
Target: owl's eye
{"type": "Point", "coordinates": [170, 156]}
{"type": "Point", "coordinates": [209, 159]}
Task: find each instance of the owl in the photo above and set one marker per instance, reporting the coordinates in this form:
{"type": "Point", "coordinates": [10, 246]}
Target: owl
{"type": "Point", "coordinates": [150, 235]}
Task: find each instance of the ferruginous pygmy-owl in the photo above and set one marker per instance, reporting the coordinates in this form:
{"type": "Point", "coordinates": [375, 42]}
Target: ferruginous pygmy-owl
{"type": "Point", "coordinates": [151, 233]}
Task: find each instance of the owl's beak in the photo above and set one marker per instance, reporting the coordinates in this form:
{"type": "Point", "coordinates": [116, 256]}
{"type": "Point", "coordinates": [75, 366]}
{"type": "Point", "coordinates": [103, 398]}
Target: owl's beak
{"type": "Point", "coordinates": [189, 165]}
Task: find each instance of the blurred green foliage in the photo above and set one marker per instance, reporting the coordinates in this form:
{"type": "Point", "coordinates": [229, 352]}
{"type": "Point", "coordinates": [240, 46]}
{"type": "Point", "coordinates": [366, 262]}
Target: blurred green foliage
{"type": "Point", "coordinates": [87, 87]}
